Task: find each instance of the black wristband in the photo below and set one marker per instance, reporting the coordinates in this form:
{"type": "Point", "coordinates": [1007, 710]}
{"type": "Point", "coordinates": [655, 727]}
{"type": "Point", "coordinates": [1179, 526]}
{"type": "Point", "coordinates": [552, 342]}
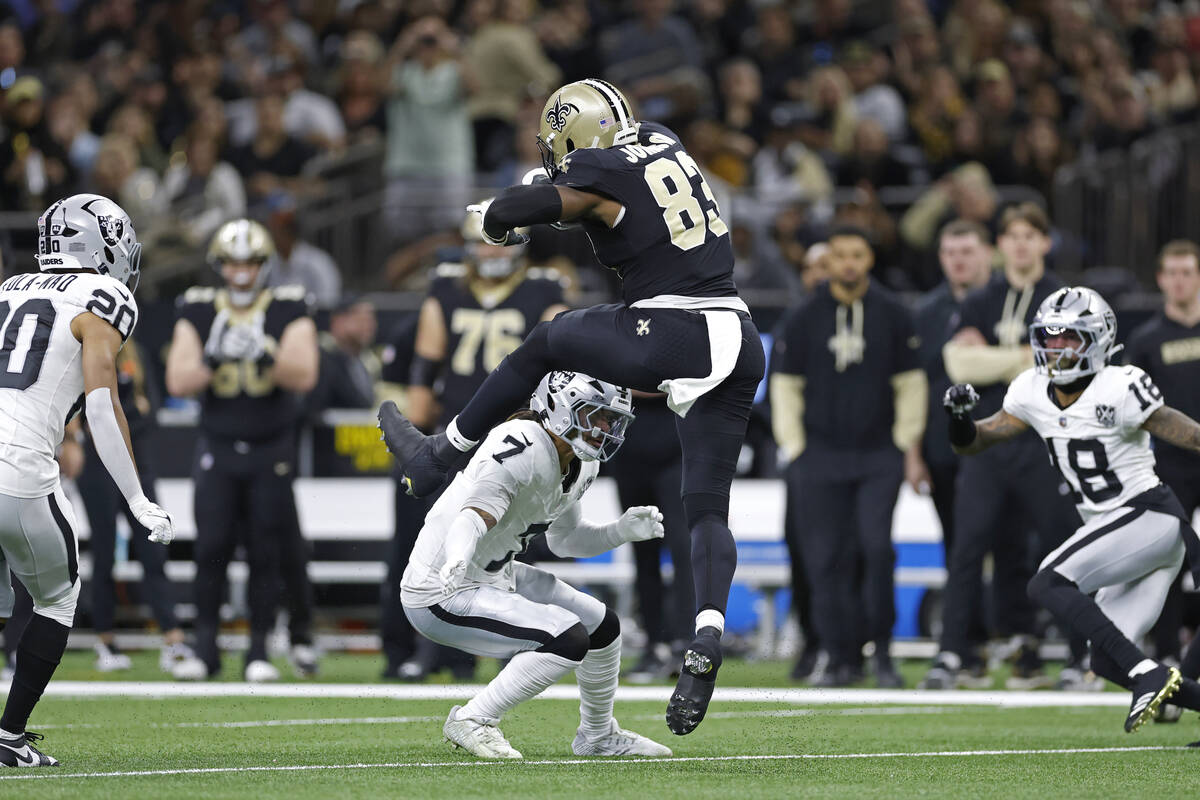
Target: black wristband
{"type": "Point", "coordinates": [423, 371]}
{"type": "Point", "coordinates": [518, 206]}
{"type": "Point", "coordinates": [962, 430]}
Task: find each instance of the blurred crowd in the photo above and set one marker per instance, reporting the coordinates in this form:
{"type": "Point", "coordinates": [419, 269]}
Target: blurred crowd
{"type": "Point", "coordinates": [193, 113]}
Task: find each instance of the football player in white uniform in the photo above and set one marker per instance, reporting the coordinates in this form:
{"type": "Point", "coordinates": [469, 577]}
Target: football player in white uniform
{"type": "Point", "coordinates": [61, 331]}
{"type": "Point", "coordinates": [463, 589]}
{"type": "Point", "coordinates": [1096, 419]}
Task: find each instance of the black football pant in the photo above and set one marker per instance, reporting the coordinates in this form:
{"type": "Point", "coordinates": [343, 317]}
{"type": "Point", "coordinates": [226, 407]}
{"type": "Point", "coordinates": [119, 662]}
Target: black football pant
{"type": "Point", "coordinates": [102, 502]}
{"type": "Point", "coordinates": [846, 500]}
{"type": "Point", "coordinates": [944, 475]}
{"type": "Point", "coordinates": [640, 348]}
{"type": "Point", "coordinates": [648, 471]}
{"type": "Point", "coordinates": [1001, 494]}
{"type": "Point", "coordinates": [1183, 476]}
{"type": "Point", "coordinates": [794, 523]}
{"type": "Point", "coordinates": [243, 494]}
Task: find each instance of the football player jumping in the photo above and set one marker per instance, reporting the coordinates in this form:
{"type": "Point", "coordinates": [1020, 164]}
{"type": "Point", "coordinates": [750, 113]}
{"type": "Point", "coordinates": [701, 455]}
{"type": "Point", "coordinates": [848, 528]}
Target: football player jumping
{"type": "Point", "coordinates": [62, 330]}
{"type": "Point", "coordinates": [1096, 419]}
{"type": "Point", "coordinates": [463, 588]}
{"type": "Point", "coordinates": [682, 329]}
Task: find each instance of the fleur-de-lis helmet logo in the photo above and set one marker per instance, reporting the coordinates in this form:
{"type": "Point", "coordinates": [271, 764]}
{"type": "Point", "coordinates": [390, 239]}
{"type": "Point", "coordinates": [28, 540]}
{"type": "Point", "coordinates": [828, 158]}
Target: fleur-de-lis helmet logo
{"type": "Point", "coordinates": [557, 116]}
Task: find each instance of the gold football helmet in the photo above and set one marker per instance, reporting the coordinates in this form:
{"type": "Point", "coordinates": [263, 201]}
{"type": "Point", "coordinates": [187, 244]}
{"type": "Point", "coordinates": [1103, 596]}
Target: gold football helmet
{"type": "Point", "coordinates": [587, 113]}
{"type": "Point", "coordinates": [240, 240]}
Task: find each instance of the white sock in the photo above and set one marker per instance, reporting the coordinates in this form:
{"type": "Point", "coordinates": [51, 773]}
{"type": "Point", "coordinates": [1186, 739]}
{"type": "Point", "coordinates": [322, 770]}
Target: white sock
{"type": "Point", "coordinates": [710, 618]}
{"type": "Point", "coordinates": [457, 439]}
{"type": "Point", "coordinates": [9, 734]}
{"type": "Point", "coordinates": [597, 676]}
{"type": "Point", "coordinates": [524, 677]}
{"type": "Point", "coordinates": [1143, 666]}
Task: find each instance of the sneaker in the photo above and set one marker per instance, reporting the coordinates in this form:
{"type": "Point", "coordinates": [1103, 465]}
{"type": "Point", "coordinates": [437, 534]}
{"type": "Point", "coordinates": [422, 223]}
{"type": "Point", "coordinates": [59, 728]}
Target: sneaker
{"type": "Point", "coordinates": [1028, 671]}
{"type": "Point", "coordinates": [652, 666]}
{"type": "Point", "coordinates": [805, 665]}
{"type": "Point", "coordinates": [19, 752]}
{"type": "Point", "coordinates": [886, 676]}
{"type": "Point", "coordinates": [261, 671]}
{"type": "Point", "coordinates": [413, 670]}
{"type": "Point", "coordinates": [837, 677]}
{"type": "Point", "coordinates": [109, 658]}
{"type": "Point", "coordinates": [303, 658]}
{"type": "Point", "coordinates": [173, 655]}
{"type": "Point", "coordinates": [618, 742]}
{"type": "Point", "coordinates": [943, 674]}
{"type": "Point", "coordinates": [424, 460]}
{"type": "Point", "coordinates": [190, 669]}
{"type": "Point", "coordinates": [1150, 689]}
{"type": "Point", "coordinates": [477, 738]}
{"type": "Point", "coordinates": [697, 679]}
{"type": "Point", "coordinates": [1077, 676]}
{"type": "Point", "coordinates": [973, 675]}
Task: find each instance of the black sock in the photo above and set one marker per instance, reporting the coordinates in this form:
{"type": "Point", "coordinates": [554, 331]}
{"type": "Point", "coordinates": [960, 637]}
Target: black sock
{"type": "Point", "coordinates": [714, 559]}
{"type": "Point", "coordinates": [1191, 660]}
{"type": "Point", "coordinates": [1188, 695]}
{"type": "Point", "coordinates": [38, 652]}
{"type": "Point", "coordinates": [1064, 600]}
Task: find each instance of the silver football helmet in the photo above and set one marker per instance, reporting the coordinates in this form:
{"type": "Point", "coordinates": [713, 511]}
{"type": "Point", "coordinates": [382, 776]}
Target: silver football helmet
{"type": "Point", "coordinates": [1083, 312]}
{"type": "Point", "coordinates": [590, 414]}
{"type": "Point", "coordinates": [88, 231]}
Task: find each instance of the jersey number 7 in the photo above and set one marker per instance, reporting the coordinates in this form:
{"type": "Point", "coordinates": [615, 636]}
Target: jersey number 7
{"type": "Point", "coordinates": [669, 179]}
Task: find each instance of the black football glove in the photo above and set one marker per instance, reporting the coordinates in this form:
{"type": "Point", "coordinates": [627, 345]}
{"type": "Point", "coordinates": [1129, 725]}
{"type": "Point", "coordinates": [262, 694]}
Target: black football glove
{"type": "Point", "coordinates": [960, 399]}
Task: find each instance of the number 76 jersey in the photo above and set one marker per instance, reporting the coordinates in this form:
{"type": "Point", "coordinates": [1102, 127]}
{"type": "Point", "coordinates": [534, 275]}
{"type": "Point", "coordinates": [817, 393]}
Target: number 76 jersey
{"type": "Point", "coordinates": [1097, 442]}
{"type": "Point", "coordinates": [41, 376]}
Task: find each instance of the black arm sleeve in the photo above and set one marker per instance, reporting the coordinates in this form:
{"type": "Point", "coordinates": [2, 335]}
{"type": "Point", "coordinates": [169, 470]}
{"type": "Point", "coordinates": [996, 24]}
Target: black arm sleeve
{"type": "Point", "coordinates": [962, 430]}
{"type": "Point", "coordinates": [518, 206]}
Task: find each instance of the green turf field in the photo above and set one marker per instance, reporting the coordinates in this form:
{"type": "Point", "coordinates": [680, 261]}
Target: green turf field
{"type": "Point", "coordinates": [347, 747]}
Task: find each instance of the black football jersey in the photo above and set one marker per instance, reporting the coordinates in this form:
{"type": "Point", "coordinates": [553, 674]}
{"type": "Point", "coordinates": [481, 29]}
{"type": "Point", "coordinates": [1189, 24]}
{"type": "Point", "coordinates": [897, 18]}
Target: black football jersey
{"type": "Point", "coordinates": [481, 329]}
{"type": "Point", "coordinates": [1169, 352]}
{"type": "Point", "coordinates": [242, 401]}
{"type": "Point", "coordinates": [671, 239]}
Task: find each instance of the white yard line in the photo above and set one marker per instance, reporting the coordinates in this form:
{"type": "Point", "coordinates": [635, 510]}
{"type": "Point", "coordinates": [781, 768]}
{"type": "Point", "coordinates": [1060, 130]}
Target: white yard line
{"type": "Point", "coordinates": [261, 723]}
{"type": "Point", "coordinates": [50, 774]}
{"type": "Point", "coordinates": [804, 697]}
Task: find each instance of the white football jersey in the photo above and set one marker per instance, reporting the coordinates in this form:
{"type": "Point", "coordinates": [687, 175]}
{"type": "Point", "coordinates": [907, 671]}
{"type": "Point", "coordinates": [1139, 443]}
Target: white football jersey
{"type": "Point", "coordinates": [514, 476]}
{"type": "Point", "coordinates": [1097, 442]}
{"type": "Point", "coordinates": [41, 377]}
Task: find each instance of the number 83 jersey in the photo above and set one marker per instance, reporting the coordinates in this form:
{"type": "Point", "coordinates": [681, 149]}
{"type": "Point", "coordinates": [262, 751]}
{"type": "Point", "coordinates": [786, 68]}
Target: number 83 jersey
{"type": "Point", "coordinates": [1097, 442]}
{"type": "Point", "coordinates": [41, 377]}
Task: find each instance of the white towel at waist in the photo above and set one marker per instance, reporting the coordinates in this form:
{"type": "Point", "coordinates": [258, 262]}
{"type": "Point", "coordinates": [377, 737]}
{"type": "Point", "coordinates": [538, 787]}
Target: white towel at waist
{"type": "Point", "coordinates": [724, 346]}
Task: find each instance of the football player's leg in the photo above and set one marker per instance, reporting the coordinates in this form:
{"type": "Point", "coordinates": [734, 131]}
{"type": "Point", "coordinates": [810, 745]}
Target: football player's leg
{"type": "Point", "coordinates": [100, 503]}
{"type": "Point", "coordinates": [42, 552]}
{"type": "Point", "coordinates": [830, 560]}
{"type": "Point", "coordinates": [681, 599]}
{"type": "Point", "coordinates": [298, 591]}
{"type": "Point", "coordinates": [270, 533]}
{"type": "Point", "coordinates": [875, 501]}
{"type": "Point", "coordinates": [217, 503]}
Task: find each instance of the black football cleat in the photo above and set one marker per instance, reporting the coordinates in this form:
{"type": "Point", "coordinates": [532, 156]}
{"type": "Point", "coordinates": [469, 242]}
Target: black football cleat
{"type": "Point", "coordinates": [697, 679]}
{"type": "Point", "coordinates": [424, 460]}
{"type": "Point", "coordinates": [19, 752]}
{"type": "Point", "coordinates": [1150, 689]}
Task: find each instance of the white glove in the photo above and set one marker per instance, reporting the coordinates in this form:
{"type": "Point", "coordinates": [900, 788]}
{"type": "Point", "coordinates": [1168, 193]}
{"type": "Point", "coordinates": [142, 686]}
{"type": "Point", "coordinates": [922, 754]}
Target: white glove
{"type": "Point", "coordinates": [451, 574]}
{"type": "Point", "coordinates": [212, 347]}
{"type": "Point", "coordinates": [640, 524]}
{"type": "Point", "coordinates": [511, 237]}
{"type": "Point", "coordinates": [153, 518]}
{"type": "Point", "coordinates": [244, 341]}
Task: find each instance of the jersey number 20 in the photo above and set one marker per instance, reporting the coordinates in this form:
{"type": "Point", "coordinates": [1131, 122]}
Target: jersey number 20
{"type": "Point", "coordinates": [670, 182]}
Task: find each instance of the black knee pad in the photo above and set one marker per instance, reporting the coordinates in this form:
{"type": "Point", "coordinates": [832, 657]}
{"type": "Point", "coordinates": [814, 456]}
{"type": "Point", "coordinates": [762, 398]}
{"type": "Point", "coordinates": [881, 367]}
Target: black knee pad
{"type": "Point", "coordinates": [571, 644]}
{"type": "Point", "coordinates": [531, 358]}
{"type": "Point", "coordinates": [606, 632]}
{"type": "Point", "coordinates": [1045, 581]}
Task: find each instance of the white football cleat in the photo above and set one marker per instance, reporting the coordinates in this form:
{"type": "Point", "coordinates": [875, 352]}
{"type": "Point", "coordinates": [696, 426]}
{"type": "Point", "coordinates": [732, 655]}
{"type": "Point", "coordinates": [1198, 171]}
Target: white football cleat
{"type": "Point", "coordinates": [303, 658]}
{"type": "Point", "coordinates": [190, 669]}
{"type": "Point", "coordinates": [618, 742]}
{"type": "Point", "coordinates": [19, 752]}
{"type": "Point", "coordinates": [173, 655]}
{"type": "Point", "coordinates": [259, 671]}
{"type": "Point", "coordinates": [477, 738]}
{"type": "Point", "coordinates": [109, 659]}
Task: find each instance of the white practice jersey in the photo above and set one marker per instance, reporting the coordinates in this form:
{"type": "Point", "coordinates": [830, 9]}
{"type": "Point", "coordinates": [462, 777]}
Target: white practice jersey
{"type": "Point", "coordinates": [41, 377]}
{"type": "Point", "coordinates": [1097, 443]}
{"type": "Point", "coordinates": [514, 476]}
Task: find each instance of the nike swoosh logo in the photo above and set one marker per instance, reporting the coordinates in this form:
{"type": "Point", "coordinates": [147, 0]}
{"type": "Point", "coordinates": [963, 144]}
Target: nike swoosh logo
{"type": "Point", "coordinates": [24, 758]}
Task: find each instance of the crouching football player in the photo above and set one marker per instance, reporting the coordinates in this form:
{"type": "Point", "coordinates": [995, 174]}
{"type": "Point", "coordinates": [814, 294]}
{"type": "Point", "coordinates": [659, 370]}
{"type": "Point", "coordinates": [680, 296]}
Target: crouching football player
{"type": "Point", "coordinates": [462, 587]}
{"type": "Point", "coordinates": [1096, 419]}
